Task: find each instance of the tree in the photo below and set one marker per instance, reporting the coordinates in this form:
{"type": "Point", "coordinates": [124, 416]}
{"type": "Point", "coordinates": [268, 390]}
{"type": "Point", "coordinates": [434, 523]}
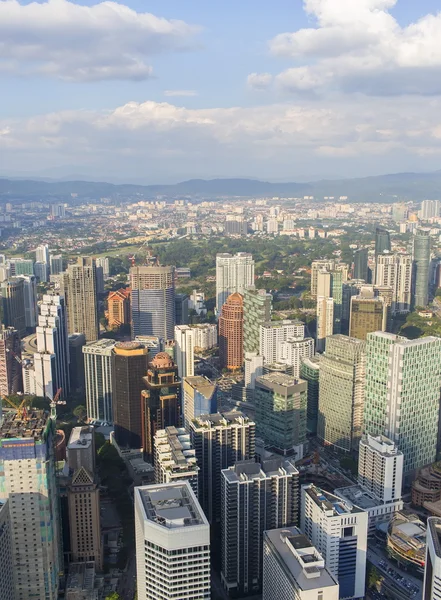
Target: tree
{"type": "Point", "coordinates": [80, 412]}
{"type": "Point", "coordinates": [373, 577]}
{"type": "Point", "coordinates": [113, 596]}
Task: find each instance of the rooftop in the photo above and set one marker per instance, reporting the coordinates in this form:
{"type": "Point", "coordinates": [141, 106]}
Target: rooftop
{"type": "Point", "coordinates": [248, 469]}
{"type": "Point", "coordinates": [407, 537]}
{"type": "Point", "coordinates": [221, 419]}
{"type": "Point", "coordinates": [434, 526]}
{"type": "Point", "coordinates": [329, 503]}
{"type": "Point", "coordinates": [301, 560]}
{"type": "Point", "coordinates": [28, 424]}
{"type": "Point", "coordinates": [171, 505]}
{"type": "Point", "coordinates": [201, 384]}
{"type": "Point", "coordinates": [281, 379]}
{"type": "Point", "coordinates": [358, 496]}
{"type": "Point", "coordinates": [80, 437]}
{"type": "Point", "coordinates": [81, 576]}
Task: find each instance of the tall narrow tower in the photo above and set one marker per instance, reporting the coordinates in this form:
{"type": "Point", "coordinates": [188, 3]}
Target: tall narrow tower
{"type": "Point", "coordinates": [231, 333]}
{"type": "Point", "coordinates": [78, 286]}
{"type": "Point", "coordinates": [421, 263]}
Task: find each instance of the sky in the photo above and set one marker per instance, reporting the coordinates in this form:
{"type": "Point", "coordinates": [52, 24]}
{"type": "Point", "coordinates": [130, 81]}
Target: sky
{"type": "Point", "coordinates": [163, 91]}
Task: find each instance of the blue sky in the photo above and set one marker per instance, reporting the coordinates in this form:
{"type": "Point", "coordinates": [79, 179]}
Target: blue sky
{"type": "Point", "coordinates": [352, 89]}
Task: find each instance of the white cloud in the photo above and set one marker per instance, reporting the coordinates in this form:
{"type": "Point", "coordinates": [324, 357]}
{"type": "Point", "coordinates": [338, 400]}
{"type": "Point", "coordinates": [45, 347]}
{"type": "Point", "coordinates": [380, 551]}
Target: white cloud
{"type": "Point", "coordinates": [108, 40]}
{"type": "Point", "coordinates": [183, 93]}
{"type": "Point", "coordinates": [357, 45]}
{"type": "Point", "coordinates": [259, 81]}
{"type": "Point", "coordinates": [157, 140]}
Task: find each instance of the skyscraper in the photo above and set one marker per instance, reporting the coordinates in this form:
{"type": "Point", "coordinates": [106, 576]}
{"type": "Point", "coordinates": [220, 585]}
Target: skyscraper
{"type": "Point", "coordinates": [341, 394]}
{"type": "Point", "coordinates": [220, 441]}
{"type": "Point", "coordinates": [421, 262]}
{"type": "Point", "coordinates": [382, 241]}
{"type": "Point", "coordinates": [325, 321]}
{"type": "Point", "coordinates": [13, 304]}
{"type": "Point", "coordinates": [172, 543]}
{"type": "Point", "coordinates": [78, 286]}
{"type": "Point", "coordinates": [234, 273]}
{"type": "Point", "coordinates": [231, 333]}
{"type": "Point", "coordinates": [395, 271]}
{"type": "Point", "coordinates": [274, 333]}
{"type": "Point", "coordinates": [184, 350]}
{"type": "Point", "coordinates": [403, 379]}
{"type": "Point", "coordinates": [129, 366]}
{"type": "Point", "coordinates": [257, 306]}
{"type": "Point", "coordinates": [253, 368]}
{"type": "Point", "coordinates": [432, 571]}
{"type": "Point", "coordinates": [153, 301]}
{"type": "Point", "coordinates": [52, 339]}
{"type": "Point", "coordinates": [310, 372]}
{"type": "Point", "coordinates": [104, 263]}
{"type": "Point", "coordinates": [429, 209]}
{"type": "Point", "coordinates": [56, 264]}
{"type": "Point", "coordinates": [339, 532]}
{"type": "Point", "coordinates": [76, 364]}
{"type": "Point", "coordinates": [368, 313]}
{"type": "Point", "coordinates": [330, 285]}
{"type": "Point", "coordinates": [293, 351]}
{"type": "Point", "coordinates": [281, 402]}
{"type": "Point", "coordinates": [118, 308]}
{"type": "Point", "coordinates": [199, 397]}
{"type": "Point", "coordinates": [27, 478]}
{"type": "Point", "coordinates": [10, 369]}
{"type": "Point", "coordinates": [42, 254]}
{"type": "Point", "coordinates": [30, 300]}
{"type": "Point", "coordinates": [41, 271]}
{"type": "Point", "coordinates": [255, 497]}
{"type": "Point", "coordinates": [6, 573]}
{"type": "Point", "coordinates": [98, 366]}
{"type": "Point", "coordinates": [160, 400]}
{"type": "Point", "coordinates": [380, 468]}
{"type": "Point", "coordinates": [293, 569]}
{"type": "Point", "coordinates": [316, 266]}
{"type": "Point", "coordinates": [361, 264]}
{"type": "Point", "coordinates": [175, 459]}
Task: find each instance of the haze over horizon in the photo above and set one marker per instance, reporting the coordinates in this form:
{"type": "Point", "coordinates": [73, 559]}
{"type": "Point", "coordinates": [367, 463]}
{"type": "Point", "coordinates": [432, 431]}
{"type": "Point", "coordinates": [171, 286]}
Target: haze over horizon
{"type": "Point", "coordinates": [150, 93]}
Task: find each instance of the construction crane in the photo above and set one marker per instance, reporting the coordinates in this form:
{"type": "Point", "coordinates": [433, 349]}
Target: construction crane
{"type": "Point", "coordinates": [150, 259]}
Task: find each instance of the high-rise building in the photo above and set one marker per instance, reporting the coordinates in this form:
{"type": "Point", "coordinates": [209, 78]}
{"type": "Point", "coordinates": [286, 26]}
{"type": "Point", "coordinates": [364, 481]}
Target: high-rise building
{"type": "Point", "coordinates": [399, 212]}
{"type": "Point", "coordinates": [153, 343]}
{"type": "Point", "coordinates": [350, 288]}
{"type": "Point", "coordinates": [129, 366]}
{"type": "Point", "coordinates": [255, 497]}
{"type": "Point", "coordinates": [13, 304]}
{"type": "Point", "coordinates": [253, 368]}
{"type": "Point", "coordinates": [41, 271]}
{"type": "Point", "coordinates": [78, 286]}
{"type": "Point", "coordinates": [339, 532]}
{"type": "Point", "coordinates": [325, 321]}
{"type": "Point", "coordinates": [83, 497]}
{"type": "Point", "coordinates": [76, 364]}
{"type": "Point", "coordinates": [257, 307]}
{"type": "Point", "coordinates": [172, 543]}
{"type": "Point", "coordinates": [6, 573]}
{"type": "Point", "coordinates": [200, 397]}
{"type": "Point", "coordinates": [274, 333]}
{"type": "Point", "coordinates": [395, 271]}
{"type": "Point", "coordinates": [27, 478]}
{"type": "Point", "coordinates": [316, 266]}
{"type": "Point", "coordinates": [220, 441]}
{"type": "Point", "coordinates": [341, 393]}
{"type": "Point", "coordinates": [30, 300]}
{"type": "Point", "coordinates": [98, 366]}
{"type": "Point", "coordinates": [10, 369]}
{"type": "Point", "coordinates": [52, 339]}
{"type": "Point", "coordinates": [160, 400]}
{"type": "Point", "coordinates": [368, 313]}
{"type": "Point", "coordinates": [421, 262]}
{"type": "Point", "coordinates": [81, 449]}
{"type": "Point", "coordinates": [403, 379]}
{"type": "Point", "coordinates": [56, 264]}
{"type": "Point", "coordinates": [21, 266]}
{"type": "Point", "coordinates": [293, 568]}
{"type": "Point", "coordinates": [380, 468]}
{"type": "Point", "coordinates": [118, 308]}
{"type": "Point", "coordinates": [153, 301]}
{"type": "Point", "coordinates": [181, 309]}
{"type": "Point", "coordinates": [42, 254]}
{"type": "Point", "coordinates": [330, 285]}
{"type": "Point", "coordinates": [293, 351]}
{"type": "Point", "coordinates": [382, 241]}
{"type": "Point", "coordinates": [361, 264]}
{"type": "Point", "coordinates": [175, 459]}
{"type": "Point", "coordinates": [234, 273]}
{"type": "Point", "coordinates": [310, 372]}
{"type": "Point", "coordinates": [231, 333]}
{"type": "Point", "coordinates": [429, 209]}
{"type": "Point", "coordinates": [184, 350]}
{"type": "Point", "coordinates": [104, 263]}
{"type": "Point", "coordinates": [281, 402]}
{"type": "Point", "coordinates": [205, 336]}
{"type": "Point", "coordinates": [99, 277]}
{"type": "Point", "coordinates": [432, 571]}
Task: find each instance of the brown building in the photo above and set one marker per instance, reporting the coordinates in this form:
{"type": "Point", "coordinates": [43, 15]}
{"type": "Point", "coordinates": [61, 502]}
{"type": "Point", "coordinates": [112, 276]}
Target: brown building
{"type": "Point", "coordinates": [83, 498]}
{"type": "Point", "coordinates": [118, 308]}
{"type": "Point", "coordinates": [427, 485]}
{"type": "Point", "coordinates": [368, 314]}
{"type": "Point", "coordinates": [129, 365]}
{"type": "Point", "coordinates": [231, 333]}
{"type": "Point", "coordinates": [160, 400]}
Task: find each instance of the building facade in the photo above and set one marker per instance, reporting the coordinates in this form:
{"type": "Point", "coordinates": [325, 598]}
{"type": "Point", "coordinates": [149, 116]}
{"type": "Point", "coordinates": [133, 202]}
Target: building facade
{"type": "Point", "coordinates": [231, 333]}
{"type": "Point", "coordinates": [78, 286]}
{"type": "Point", "coordinates": [175, 459]}
{"type": "Point", "coordinates": [13, 304]}
{"type": "Point", "coordinates": [184, 350]}
{"type": "Point", "coordinates": [432, 571]}
{"type": "Point", "coordinates": [368, 313]}
{"type": "Point", "coordinates": [274, 333]}
{"type": "Point", "coordinates": [6, 573]}
{"type": "Point", "coordinates": [325, 321]}
{"type": "Point", "coordinates": [172, 543]}
{"type": "Point", "coordinates": [310, 372]}
{"type": "Point", "coordinates": [98, 366]}
{"type": "Point", "coordinates": [11, 381]}
{"type": "Point", "coordinates": [118, 308]}
{"type": "Point", "coordinates": [199, 398]}
{"type": "Point", "coordinates": [234, 273]}
{"type": "Point", "coordinates": [257, 308]}
{"type": "Point", "coordinates": [421, 263]}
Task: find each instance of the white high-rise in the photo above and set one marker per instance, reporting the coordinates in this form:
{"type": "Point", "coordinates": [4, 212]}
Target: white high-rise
{"type": "Point", "coordinates": [432, 571]}
{"type": "Point", "coordinates": [172, 543]}
{"type": "Point", "coordinates": [339, 531]}
{"type": "Point", "coordinates": [429, 209]}
{"type": "Point", "coordinates": [42, 254]}
{"type": "Point", "coordinates": [274, 333]}
{"type": "Point", "coordinates": [253, 368]}
{"type": "Point", "coordinates": [184, 350]}
{"type": "Point", "coordinates": [325, 321]}
{"type": "Point", "coordinates": [98, 379]}
{"type": "Point", "coordinates": [395, 271]}
{"type": "Point", "coordinates": [380, 468]}
{"type": "Point", "coordinates": [293, 351]}
{"type": "Point", "coordinates": [234, 273]}
{"type": "Point", "coordinates": [293, 569]}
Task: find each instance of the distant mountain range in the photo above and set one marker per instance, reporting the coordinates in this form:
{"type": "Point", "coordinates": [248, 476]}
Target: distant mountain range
{"type": "Point", "coordinates": [383, 188]}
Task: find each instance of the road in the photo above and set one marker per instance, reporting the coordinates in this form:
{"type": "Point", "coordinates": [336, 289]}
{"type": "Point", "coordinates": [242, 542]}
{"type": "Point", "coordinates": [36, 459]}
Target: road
{"type": "Point", "coordinates": [127, 583]}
